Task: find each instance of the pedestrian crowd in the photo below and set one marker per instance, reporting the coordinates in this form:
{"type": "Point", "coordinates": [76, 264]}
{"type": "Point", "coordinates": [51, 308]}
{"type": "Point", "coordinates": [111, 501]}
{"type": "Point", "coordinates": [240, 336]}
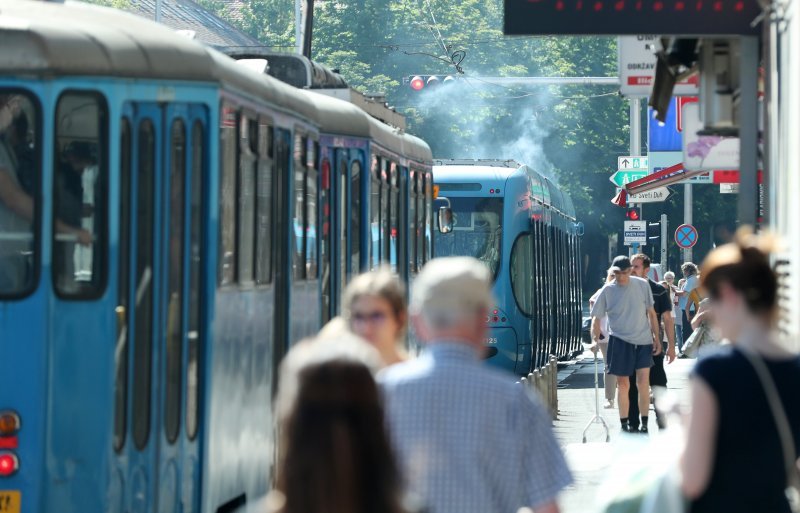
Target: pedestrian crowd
{"type": "Point", "coordinates": [366, 428]}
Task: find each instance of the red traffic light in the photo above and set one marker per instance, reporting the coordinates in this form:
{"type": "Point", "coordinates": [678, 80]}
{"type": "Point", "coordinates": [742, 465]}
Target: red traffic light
{"type": "Point", "coordinates": [417, 83]}
{"type": "Point", "coordinates": [633, 214]}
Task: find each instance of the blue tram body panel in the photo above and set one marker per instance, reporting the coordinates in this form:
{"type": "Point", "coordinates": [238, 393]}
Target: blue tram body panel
{"type": "Point", "coordinates": [505, 216]}
{"type": "Point", "coordinates": [143, 368]}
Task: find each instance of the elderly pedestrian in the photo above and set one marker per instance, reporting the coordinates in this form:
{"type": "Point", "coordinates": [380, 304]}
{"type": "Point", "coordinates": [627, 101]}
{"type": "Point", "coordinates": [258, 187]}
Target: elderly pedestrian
{"type": "Point", "coordinates": [662, 305]}
{"type": "Point", "coordinates": [691, 282]}
{"type": "Point", "coordinates": [609, 380]}
{"type": "Point", "coordinates": [470, 439]}
{"type": "Point", "coordinates": [735, 458]}
{"type": "Point", "coordinates": [634, 339]}
{"type": "Point", "coordinates": [374, 307]}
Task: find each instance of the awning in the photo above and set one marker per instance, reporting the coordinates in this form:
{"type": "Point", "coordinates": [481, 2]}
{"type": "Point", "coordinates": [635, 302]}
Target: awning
{"type": "Point", "coordinates": [667, 176]}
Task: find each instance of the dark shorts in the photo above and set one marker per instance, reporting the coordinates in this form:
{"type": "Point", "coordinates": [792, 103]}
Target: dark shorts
{"type": "Point", "coordinates": [624, 358]}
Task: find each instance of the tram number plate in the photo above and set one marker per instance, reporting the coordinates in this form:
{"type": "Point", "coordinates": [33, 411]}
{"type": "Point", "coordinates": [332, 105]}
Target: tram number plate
{"type": "Point", "coordinates": [10, 501]}
{"type": "Point", "coordinates": [490, 341]}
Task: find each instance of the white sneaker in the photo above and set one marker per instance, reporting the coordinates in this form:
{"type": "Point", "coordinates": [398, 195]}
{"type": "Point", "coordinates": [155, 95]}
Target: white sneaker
{"type": "Point", "coordinates": [609, 404]}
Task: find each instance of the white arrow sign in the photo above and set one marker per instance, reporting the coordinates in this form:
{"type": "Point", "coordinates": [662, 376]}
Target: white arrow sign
{"type": "Point", "coordinates": [654, 196]}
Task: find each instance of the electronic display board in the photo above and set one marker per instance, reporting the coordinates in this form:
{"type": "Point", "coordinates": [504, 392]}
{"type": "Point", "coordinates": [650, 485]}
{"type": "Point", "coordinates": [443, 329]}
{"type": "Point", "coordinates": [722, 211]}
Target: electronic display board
{"type": "Point", "coordinates": [631, 17]}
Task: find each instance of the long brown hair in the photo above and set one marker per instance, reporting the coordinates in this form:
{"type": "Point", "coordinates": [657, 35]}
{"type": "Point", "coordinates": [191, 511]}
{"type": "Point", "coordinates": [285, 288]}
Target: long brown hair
{"type": "Point", "coordinates": [336, 456]}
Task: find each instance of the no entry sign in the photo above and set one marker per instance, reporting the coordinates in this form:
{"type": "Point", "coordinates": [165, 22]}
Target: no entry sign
{"type": "Point", "coordinates": [686, 236]}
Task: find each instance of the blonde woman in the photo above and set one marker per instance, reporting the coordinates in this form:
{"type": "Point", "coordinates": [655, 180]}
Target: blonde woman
{"type": "Point", "coordinates": [375, 309]}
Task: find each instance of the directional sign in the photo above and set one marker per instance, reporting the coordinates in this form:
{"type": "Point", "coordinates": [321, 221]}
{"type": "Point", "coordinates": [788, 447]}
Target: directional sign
{"type": "Point", "coordinates": [632, 163]}
{"type": "Point", "coordinates": [654, 196]}
{"type": "Point", "coordinates": [686, 236]}
{"type": "Point", "coordinates": [637, 67]}
{"type": "Point", "coordinates": [621, 178]}
{"type": "Point", "coordinates": [635, 232]}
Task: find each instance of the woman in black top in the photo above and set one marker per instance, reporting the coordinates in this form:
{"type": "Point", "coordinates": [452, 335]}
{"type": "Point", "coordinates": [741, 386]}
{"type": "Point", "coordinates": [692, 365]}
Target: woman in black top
{"type": "Point", "coordinates": [733, 460]}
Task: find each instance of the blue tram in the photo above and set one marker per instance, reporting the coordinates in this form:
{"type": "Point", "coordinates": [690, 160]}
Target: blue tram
{"type": "Point", "coordinates": [170, 222]}
{"type": "Point", "coordinates": [523, 228]}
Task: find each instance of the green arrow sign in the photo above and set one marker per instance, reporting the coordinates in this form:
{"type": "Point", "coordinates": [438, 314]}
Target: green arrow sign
{"type": "Point", "coordinates": [621, 178]}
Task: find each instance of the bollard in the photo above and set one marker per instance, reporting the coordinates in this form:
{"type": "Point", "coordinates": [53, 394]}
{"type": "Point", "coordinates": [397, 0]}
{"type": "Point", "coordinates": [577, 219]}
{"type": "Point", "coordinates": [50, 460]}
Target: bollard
{"type": "Point", "coordinates": [531, 381]}
{"type": "Point", "coordinates": [537, 382]}
{"type": "Point", "coordinates": [554, 364]}
{"type": "Point", "coordinates": [546, 386]}
{"type": "Point", "coordinates": [524, 381]}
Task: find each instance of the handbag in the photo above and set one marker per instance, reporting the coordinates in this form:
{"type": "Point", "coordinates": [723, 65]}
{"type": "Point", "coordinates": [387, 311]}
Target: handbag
{"type": "Point", "coordinates": [784, 430]}
{"type": "Point", "coordinates": [696, 340]}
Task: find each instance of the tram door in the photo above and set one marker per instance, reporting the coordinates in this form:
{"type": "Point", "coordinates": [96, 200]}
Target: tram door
{"type": "Point", "coordinates": [160, 308]}
{"type": "Point", "coordinates": [347, 226]}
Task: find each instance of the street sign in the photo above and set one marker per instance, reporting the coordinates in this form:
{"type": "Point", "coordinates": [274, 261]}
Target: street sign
{"type": "Point", "coordinates": [686, 236]}
{"type": "Point", "coordinates": [637, 67]}
{"type": "Point", "coordinates": [632, 163]}
{"type": "Point", "coordinates": [706, 152]}
{"type": "Point", "coordinates": [622, 178]}
{"type": "Point", "coordinates": [653, 196]}
{"type": "Point", "coordinates": [663, 159]}
{"type": "Point", "coordinates": [635, 232]}
{"type": "Point", "coordinates": [729, 188]}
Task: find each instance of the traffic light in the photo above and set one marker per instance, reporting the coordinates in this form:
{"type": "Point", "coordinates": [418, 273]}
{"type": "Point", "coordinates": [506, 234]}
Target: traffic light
{"type": "Point", "coordinates": [422, 82]}
{"type": "Point", "coordinates": [633, 214]}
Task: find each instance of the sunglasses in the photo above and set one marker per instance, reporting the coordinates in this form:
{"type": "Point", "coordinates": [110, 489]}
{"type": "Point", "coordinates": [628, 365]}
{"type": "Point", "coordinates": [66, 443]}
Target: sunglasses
{"type": "Point", "coordinates": [375, 317]}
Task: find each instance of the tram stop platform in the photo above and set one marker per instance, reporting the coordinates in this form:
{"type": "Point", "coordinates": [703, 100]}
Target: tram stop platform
{"type": "Point", "coordinates": [592, 463]}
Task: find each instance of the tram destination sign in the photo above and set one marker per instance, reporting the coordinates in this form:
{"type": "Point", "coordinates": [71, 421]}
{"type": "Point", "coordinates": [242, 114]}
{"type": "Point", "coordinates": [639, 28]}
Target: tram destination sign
{"type": "Point", "coordinates": [631, 17]}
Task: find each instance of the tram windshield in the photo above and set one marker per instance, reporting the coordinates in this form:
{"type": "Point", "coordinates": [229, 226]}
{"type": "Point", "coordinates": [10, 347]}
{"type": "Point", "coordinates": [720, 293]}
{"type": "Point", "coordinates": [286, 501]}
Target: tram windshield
{"type": "Point", "coordinates": [477, 231]}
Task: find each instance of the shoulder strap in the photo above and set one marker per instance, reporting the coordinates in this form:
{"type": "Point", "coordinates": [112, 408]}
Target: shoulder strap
{"type": "Point", "coordinates": [779, 414]}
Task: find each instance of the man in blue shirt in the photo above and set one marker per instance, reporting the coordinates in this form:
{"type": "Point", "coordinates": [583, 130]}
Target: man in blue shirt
{"type": "Point", "coordinates": [470, 439]}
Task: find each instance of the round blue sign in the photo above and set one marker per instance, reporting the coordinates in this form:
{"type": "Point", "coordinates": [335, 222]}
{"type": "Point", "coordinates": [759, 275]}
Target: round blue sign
{"type": "Point", "coordinates": [686, 236]}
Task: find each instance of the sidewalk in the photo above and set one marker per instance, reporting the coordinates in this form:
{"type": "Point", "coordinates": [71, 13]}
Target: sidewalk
{"type": "Point", "coordinates": [590, 462]}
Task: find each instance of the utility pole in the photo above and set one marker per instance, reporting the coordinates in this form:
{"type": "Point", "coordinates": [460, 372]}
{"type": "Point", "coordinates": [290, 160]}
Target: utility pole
{"type": "Point", "coordinates": [636, 146]}
{"type": "Point", "coordinates": [158, 10]}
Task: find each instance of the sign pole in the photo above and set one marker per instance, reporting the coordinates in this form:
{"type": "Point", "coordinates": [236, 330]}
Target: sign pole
{"type": "Point", "coordinates": [664, 231]}
{"type": "Point", "coordinates": [687, 216]}
{"type": "Point", "coordinates": [636, 145]}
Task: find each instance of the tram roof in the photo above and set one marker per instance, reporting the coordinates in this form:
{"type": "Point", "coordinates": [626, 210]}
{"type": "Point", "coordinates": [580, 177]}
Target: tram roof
{"type": "Point", "coordinates": [79, 39]}
{"type": "Point", "coordinates": [340, 117]}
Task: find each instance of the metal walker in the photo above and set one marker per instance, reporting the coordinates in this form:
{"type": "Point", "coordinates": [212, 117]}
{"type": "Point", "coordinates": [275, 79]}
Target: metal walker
{"type": "Point", "coordinates": [597, 419]}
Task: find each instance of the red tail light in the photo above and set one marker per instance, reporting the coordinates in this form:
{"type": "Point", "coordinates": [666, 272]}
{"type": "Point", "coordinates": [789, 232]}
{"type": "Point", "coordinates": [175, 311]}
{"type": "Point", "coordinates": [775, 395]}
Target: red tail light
{"type": "Point", "coordinates": [8, 464]}
{"type": "Point", "coordinates": [9, 423]}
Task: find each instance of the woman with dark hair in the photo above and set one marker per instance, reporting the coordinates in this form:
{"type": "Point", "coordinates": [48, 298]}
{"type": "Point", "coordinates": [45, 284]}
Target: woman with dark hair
{"type": "Point", "coordinates": [736, 459]}
{"type": "Point", "coordinates": [335, 453]}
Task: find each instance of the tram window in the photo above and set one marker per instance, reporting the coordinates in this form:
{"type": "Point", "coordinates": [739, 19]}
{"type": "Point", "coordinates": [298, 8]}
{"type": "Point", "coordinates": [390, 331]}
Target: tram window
{"type": "Point", "coordinates": [79, 196]}
{"type": "Point", "coordinates": [174, 300]}
{"type": "Point", "coordinates": [227, 196]}
{"type": "Point", "coordinates": [394, 215]}
{"type": "Point", "coordinates": [386, 238]}
{"type": "Point", "coordinates": [143, 323]}
{"type": "Point", "coordinates": [246, 186]}
{"type": "Point", "coordinates": [375, 215]}
{"type": "Point", "coordinates": [355, 217]}
{"type": "Point", "coordinates": [122, 310]}
{"type": "Point", "coordinates": [420, 221]}
{"type": "Point", "coordinates": [325, 237]}
{"type": "Point", "coordinates": [264, 216]}
{"type": "Point", "coordinates": [521, 269]}
{"type": "Point", "coordinates": [20, 178]}
{"type": "Point", "coordinates": [343, 225]}
{"type": "Point", "coordinates": [412, 222]}
{"type": "Point", "coordinates": [428, 216]}
{"type": "Point", "coordinates": [311, 235]}
{"type": "Point", "coordinates": [195, 267]}
{"type": "Point", "coordinates": [298, 221]}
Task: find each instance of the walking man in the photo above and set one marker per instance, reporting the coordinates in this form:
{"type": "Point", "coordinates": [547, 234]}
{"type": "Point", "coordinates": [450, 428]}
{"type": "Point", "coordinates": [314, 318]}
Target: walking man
{"type": "Point", "coordinates": [470, 439]}
{"type": "Point", "coordinates": [633, 325]}
{"type": "Point", "coordinates": [662, 304]}
{"type": "Point", "coordinates": [690, 274]}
